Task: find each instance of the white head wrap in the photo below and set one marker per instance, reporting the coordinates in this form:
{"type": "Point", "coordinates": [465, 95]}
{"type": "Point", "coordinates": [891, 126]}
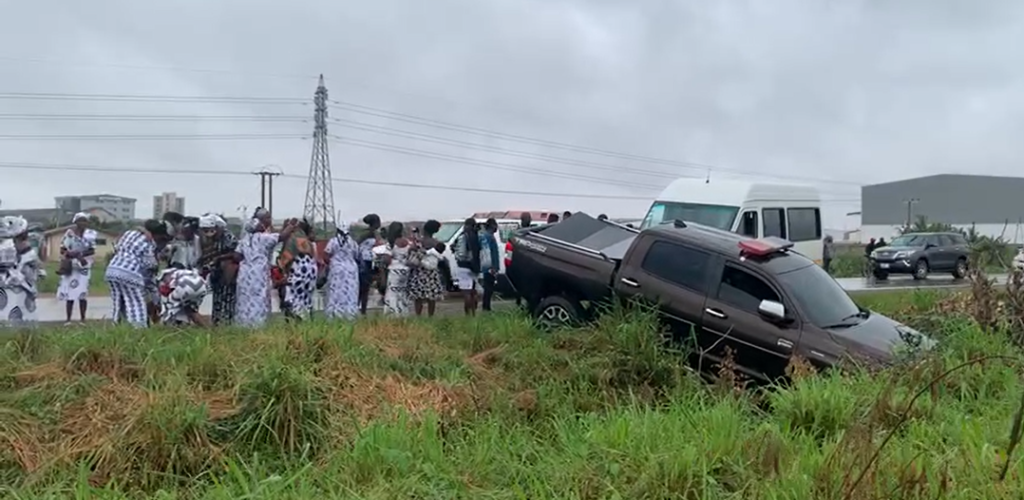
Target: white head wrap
{"type": "Point", "coordinates": [12, 225]}
{"type": "Point", "coordinates": [343, 227]}
{"type": "Point", "coordinates": [208, 221]}
{"type": "Point", "coordinates": [79, 216]}
{"type": "Point", "coordinates": [252, 226]}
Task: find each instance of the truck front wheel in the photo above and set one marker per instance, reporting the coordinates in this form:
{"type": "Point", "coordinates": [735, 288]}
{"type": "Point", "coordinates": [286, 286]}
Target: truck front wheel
{"type": "Point", "coordinates": [558, 312]}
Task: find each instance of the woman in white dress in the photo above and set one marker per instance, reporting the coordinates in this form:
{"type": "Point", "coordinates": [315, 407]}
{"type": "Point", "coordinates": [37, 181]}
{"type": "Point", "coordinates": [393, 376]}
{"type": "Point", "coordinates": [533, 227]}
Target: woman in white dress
{"type": "Point", "coordinates": [19, 273]}
{"type": "Point", "coordinates": [343, 274]}
{"type": "Point", "coordinates": [397, 301]}
{"type": "Point", "coordinates": [77, 249]}
{"type": "Point", "coordinates": [254, 249]}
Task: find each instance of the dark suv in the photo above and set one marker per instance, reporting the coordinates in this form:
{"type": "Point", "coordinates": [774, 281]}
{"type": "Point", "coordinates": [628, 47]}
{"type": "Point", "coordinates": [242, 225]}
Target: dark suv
{"type": "Point", "coordinates": [918, 254]}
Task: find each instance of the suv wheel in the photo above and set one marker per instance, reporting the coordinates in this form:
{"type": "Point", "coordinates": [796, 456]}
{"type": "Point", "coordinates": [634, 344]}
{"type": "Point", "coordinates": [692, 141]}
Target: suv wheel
{"type": "Point", "coordinates": [960, 271]}
{"type": "Point", "coordinates": [558, 312]}
{"type": "Point", "coordinates": [881, 275]}
{"type": "Point", "coordinates": [921, 269]}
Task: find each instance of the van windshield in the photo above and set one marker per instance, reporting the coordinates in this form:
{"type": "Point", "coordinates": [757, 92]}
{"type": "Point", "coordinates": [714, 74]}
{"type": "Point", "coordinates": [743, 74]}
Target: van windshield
{"type": "Point", "coordinates": [716, 216]}
{"type": "Point", "coordinates": [448, 229]}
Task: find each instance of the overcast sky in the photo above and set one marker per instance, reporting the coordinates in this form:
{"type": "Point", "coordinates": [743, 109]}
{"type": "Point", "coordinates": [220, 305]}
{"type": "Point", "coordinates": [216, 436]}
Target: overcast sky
{"type": "Point", "coordinates": [845, 92]}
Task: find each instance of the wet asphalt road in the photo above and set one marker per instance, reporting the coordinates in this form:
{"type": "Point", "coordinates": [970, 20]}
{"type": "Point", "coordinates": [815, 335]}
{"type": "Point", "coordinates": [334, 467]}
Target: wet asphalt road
{"type": "Point", "coordinates": [50, 310]}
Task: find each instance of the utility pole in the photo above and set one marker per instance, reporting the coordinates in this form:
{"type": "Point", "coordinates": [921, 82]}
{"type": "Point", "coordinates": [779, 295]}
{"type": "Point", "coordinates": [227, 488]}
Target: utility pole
{"type": "Point", "coordinates": [267, 174]}
{"type": "Point", "coordinates": [319, 206]}
{"type": "Point", "coordinates": [910, 211]}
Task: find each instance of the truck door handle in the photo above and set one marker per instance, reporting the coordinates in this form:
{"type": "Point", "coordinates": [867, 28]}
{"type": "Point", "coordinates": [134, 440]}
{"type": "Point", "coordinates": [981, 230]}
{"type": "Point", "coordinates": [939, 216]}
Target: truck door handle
{"type": "Point", "coordinates": [716, 313]}
{"type": "Point", "coordinates": [784, 343]}
{"type": "Point", "coordinates": [629, 282]}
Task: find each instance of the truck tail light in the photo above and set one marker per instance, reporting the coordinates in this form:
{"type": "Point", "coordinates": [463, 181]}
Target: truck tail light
{"type": "Point", "coordinates": [508, 253]}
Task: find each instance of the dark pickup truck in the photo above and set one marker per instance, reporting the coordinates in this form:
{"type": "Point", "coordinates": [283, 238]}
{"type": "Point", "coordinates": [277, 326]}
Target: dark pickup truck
{"type": "Point", "coordinates": [758, 298]}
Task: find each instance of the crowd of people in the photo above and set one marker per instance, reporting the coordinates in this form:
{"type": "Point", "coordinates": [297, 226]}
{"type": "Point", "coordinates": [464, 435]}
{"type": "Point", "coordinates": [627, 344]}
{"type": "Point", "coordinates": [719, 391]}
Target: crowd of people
{"type": "Point", "coordinates": [162, 271]}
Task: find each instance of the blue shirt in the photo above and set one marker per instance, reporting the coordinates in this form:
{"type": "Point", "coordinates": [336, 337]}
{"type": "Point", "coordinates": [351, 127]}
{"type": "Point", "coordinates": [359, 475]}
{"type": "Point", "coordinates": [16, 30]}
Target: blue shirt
{"type": "Point", "coordinates": [488, 252]}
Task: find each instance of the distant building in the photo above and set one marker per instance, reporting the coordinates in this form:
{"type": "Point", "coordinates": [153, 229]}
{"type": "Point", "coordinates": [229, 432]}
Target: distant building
{"type": "Point", "coordinates": [120, 207]}
{"type": "Point", "coordinates": [993, 205]}
{"type": "Point", "coordinates": [49, 248]}
{"type": "Point", "coordinates": [41, 216]}
{"type": "Point", "coordinates": [167, 202]}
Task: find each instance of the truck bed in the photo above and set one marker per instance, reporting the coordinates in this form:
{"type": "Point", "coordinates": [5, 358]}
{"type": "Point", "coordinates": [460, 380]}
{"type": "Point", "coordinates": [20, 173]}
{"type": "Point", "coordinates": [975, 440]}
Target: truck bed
{"type": "Point", "coordinates": [578, 257]}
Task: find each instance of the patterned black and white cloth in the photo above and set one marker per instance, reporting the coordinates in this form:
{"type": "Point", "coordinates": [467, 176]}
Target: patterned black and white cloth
{"type": "Point", "coordinates": [182, 293]}
{"type": "Point", "coordinates": [19, 272]}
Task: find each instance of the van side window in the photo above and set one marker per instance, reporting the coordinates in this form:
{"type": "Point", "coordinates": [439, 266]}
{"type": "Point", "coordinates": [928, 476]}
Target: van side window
{"type": "Point", "coordinates": [804, 224]}
{"type": "Point", "coordinates": [683, 266]}
{"type": "Point", "coordinates": [774, 222]}
{"type": "Point", "coordinates": [748, 224]}
{"type": "Point", "coordinates": [744, 290]}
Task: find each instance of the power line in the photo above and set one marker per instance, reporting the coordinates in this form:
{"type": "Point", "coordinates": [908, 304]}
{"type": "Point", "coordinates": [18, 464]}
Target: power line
{"type": "Point", "coordinates": [351, 124]}
{"type": "Point", "coordinates": [484, 163]}
{"type": "Point", "coordinates": [418, 120]}
{"type": "Point", "coordinates": [37, 96]}
{"type": "Point", "coordinates": [88, 117]}
{"type": "Point", "coordinates": [177, 171]}
{"type": "Point", "coordinates": [156, 137]}
{"type": "Point", "coordinates": [97, 168]}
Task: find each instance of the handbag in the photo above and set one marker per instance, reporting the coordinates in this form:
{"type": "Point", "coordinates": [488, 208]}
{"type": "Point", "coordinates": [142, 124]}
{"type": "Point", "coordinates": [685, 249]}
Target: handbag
{"type": "Point", "coordinates": [65, 268]}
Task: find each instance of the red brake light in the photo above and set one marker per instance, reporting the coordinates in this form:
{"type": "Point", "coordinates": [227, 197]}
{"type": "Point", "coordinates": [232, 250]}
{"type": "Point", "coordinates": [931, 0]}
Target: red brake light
{"type": "Point", "coordinates": [764, 246]}
{"type": "Point", "coordinates": [508, 253]}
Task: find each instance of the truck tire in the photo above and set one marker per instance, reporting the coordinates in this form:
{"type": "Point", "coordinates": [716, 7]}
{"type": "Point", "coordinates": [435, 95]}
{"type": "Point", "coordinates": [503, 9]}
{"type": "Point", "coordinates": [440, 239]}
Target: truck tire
{"type": "Point", "coordinates": [557, 311]}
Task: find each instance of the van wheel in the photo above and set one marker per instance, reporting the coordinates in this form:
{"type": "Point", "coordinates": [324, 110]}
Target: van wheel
{"type": "Point", "coordinates": [960, 271]}
{"type": "Point", "coordinates": [558, 312]}
{"type": "Point", "coordinates": [921, 269]}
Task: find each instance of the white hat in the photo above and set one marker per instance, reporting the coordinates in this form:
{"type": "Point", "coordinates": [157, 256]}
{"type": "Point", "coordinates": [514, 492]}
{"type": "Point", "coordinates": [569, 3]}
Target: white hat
{"type": "Point", "coordinates": [343, 226]}
{"type": "Point", "coordinates": [79, 216]}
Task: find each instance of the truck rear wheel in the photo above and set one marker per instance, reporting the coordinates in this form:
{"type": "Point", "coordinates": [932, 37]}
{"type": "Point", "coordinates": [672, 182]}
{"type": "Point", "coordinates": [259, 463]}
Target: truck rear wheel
{"type": "Point", "coordinates": [557, 311]}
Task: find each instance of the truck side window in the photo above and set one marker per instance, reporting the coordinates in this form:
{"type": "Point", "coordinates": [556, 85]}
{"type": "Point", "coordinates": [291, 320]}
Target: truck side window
{"type": "Point", "coordinates": [744, 290]}
{"type": "Point", "coordinates": [804, 224]}
{"type": "Point", "coordinates": [748, 225]}
{"type": "Point", "coordinates": [678, 264]}
{"type": "Point", "coordinates": [774, 222]}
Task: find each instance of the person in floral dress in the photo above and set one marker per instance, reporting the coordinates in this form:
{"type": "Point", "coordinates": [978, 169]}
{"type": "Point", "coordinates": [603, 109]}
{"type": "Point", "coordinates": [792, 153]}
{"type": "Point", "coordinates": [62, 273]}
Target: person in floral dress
{"type": "Point", "coordinates": [425, 286]}
{"type": "Point", "coordinates": [297, 266]}
{"type": "Point", "coordinates": [343, 275]}
{"type": "Point", "coordinates": [253, 300]}
{"type": "Point", "coordinates": [219, 266]}
{"type": "Point", "coordinates": [19, 274]}
{"type": "Point", "coordinates": [397, 301]}
{"type": "Point", "coordinates": [77, 247]}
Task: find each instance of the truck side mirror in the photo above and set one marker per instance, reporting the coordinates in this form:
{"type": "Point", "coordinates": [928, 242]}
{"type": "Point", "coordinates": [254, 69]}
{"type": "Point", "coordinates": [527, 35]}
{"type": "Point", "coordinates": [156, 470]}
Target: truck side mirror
{"type": "Point", "coordinates": [771, 310]}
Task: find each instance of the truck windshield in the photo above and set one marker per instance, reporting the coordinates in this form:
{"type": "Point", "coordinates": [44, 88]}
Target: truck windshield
{"type": "Point", "coordinates": [716, 216]}
{"type": "Point", "coordinates": [448, 229]}
{"type": "Point", "coordinates": [821, 299]}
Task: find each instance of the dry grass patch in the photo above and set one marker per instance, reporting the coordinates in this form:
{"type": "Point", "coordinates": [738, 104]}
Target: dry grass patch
{"type": "Point", "coordinates": [398, 340]}
{"type": "Point", "coordinates": [371, 397]}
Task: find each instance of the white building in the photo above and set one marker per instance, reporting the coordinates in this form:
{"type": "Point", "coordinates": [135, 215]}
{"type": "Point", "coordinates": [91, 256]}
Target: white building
{"type": "Point", "coordinates": [167, 202]}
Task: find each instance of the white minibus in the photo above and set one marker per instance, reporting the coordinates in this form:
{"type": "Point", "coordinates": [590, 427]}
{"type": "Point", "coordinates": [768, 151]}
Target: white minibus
{"type": "Point", "coordinates": [754, 209]}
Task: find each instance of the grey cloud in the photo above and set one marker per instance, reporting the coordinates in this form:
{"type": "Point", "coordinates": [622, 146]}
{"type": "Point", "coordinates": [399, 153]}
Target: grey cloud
{"type": "Point", "coordinates": [860, 90]}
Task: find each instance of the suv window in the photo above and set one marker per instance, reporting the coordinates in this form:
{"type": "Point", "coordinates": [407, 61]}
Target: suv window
{"type": "Point", "coordinates": [804, 224]}
{"type": "Point", "coordinates": [680, 265]}
{"type": "Point", "coordinates": [774, 222]}
{"type": "Point", "coordinates": [934, 240]}
{"type": "Point", "coordinates": [748, 224]}
{"type": "Point", "coordinates": [744, 290]}
{"type": "Point", "coordinates": [946, 240]}
{"type": "Point", "coordinates": [957, 239]}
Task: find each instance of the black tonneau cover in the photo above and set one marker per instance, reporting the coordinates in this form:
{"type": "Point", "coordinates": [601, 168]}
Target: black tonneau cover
{"type": "Point", "coordinates": [583, 230]}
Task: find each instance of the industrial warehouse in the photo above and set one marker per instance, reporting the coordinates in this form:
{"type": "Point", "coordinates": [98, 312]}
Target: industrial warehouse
{"type": "Point", "coordinates": [993, 205]}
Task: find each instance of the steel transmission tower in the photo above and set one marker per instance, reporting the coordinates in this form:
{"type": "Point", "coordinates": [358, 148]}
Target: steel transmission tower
{"type": "Point", "coordinates": [319, 207]}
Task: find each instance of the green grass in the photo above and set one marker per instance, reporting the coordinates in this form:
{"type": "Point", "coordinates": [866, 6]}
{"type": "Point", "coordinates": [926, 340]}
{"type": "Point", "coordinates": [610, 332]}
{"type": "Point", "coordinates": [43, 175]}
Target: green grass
{"type": "Point", "coordinates": [490, 408]}
{"type": "Point", "coordinates": [97, 284]}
